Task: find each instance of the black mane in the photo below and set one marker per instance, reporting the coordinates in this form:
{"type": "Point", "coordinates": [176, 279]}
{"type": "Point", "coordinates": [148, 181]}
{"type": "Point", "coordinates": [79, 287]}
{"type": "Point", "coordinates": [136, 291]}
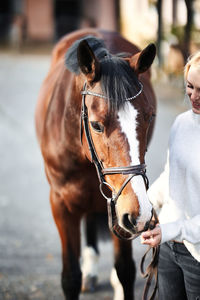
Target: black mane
{"type": "Point", "coordinates": [118, 80]}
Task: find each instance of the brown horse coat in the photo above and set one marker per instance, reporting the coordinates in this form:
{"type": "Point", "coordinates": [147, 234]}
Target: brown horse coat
{"type": "Point", "coordinates": [72, 177]}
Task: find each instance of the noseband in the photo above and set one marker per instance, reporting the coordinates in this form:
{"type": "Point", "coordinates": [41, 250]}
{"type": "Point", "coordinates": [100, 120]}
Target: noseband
{"type": "Point", "coordinates": [132, 171]}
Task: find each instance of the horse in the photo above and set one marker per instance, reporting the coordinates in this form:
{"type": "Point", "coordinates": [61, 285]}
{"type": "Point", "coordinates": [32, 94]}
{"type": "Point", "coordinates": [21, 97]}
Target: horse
{"type": "Point", "coordinates": [97, 105]}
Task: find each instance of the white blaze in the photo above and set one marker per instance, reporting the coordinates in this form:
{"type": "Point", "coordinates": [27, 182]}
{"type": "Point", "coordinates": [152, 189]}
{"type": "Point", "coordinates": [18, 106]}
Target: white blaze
{"type": "Point", "coordinates": [127, 118]}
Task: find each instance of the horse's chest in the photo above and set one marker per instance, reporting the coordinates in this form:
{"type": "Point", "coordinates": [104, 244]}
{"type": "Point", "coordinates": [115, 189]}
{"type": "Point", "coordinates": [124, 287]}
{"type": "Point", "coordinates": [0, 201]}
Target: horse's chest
{"type": "Point", "coordinates": [79, 189]}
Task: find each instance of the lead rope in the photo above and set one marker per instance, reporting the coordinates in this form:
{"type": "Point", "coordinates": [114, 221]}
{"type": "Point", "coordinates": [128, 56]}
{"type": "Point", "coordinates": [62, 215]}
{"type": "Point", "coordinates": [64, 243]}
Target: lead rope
{"type": "Point", "coordinates": [152, 269]}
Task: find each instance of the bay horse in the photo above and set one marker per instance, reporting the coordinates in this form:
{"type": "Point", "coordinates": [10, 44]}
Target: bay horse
{"type": "Point", "coordinates": [96, 105]}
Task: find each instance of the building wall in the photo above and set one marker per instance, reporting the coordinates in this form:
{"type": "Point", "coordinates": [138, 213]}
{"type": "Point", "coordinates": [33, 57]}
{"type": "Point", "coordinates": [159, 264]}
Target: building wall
{"type": "Point", "coordinates": [138, 21]}
{"type": "Point", "coordinates": [39, 20]}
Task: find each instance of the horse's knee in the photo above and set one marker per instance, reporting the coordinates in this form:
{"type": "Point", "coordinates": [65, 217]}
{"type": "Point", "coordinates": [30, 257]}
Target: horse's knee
{"type": "Point", "coordinates": [71, 284]}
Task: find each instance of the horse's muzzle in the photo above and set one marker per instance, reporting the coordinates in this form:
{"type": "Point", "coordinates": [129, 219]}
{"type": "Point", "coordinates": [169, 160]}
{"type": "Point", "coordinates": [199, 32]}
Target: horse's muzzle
{"type": "Point", "coordinates": [129, 228]}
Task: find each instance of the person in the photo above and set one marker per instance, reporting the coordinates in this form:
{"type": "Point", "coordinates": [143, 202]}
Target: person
{"type": "Point", "coordinates": [176, 193]}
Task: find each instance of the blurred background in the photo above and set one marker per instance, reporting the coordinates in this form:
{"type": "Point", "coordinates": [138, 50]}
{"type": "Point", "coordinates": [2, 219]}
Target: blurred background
{"type": "Point", "coordinates": [30, 253]}
{"type": "Point", "coordinates": [173, 24]}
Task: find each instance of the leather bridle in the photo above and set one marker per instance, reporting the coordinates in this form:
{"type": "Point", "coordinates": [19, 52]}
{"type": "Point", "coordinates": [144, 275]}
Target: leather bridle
{"type": "Point", "coordinates": [132, 171]}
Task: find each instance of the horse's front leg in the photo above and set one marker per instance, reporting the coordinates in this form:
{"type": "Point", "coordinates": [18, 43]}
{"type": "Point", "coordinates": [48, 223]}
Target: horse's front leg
{"type": "Point", "coordinates": [90, 255]}
{"type": "Point", "coordinates": [124, 271]}
{"type": "Point", "coordinates": [68, 225]}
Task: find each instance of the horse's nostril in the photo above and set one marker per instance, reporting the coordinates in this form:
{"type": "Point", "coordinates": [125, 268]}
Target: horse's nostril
{"type": "Point", "coordinates": [132, 220]}
{"type": "Point", "coordinates": [129, 221]}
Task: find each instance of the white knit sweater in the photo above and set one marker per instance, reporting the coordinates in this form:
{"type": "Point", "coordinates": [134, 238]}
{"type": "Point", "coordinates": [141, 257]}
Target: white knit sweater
{"type": "Point", "coordinates": [177, 190]}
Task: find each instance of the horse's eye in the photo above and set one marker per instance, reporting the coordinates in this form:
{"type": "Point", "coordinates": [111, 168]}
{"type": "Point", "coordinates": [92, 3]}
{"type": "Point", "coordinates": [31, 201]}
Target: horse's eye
{"type": "Point", "coordinates": [97, 126]}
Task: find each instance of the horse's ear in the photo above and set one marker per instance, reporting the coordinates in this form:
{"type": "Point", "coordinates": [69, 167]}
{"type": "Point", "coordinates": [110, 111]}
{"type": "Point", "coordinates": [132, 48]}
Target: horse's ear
{"type": "Point", "coordinates": [88, 62]}
{"type": "Point", "coordinates": [142, 61]}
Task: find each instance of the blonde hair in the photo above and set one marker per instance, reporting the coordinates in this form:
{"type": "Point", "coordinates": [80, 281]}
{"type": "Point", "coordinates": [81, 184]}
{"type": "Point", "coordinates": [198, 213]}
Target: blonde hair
{"type": "Point", "coordinates": [193, 60]}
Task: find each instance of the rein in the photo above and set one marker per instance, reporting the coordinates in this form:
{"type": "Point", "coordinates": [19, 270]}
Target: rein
{"type": "Point", "coordinates": [152, 268]}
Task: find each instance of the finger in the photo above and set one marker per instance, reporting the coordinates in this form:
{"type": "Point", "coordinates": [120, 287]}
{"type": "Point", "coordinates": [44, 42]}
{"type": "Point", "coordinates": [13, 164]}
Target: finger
{"type": "Point", "coordinates": [149, 241]}
{"type": "Point", "coordinates": [156, 230]}
{"type": "Point", "coordinates": [144, 237]}
{"type": "Point", "coordinates": [146, 234]}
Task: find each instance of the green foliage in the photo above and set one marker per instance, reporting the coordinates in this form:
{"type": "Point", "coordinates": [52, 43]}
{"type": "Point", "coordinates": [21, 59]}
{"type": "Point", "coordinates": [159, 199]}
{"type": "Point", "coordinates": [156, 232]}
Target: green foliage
{"type": "Point", "coordinates": [196, 36]}
{"type": "Point", "coordinates": [178, 31]}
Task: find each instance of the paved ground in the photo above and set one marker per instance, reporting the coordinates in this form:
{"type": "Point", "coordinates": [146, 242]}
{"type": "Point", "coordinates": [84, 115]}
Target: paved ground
{"type": "Point", "coordinates": [30, 260]}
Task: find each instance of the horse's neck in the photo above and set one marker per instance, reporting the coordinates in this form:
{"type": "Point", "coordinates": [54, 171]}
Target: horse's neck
{"type": "Point", "coordinates": [72, 114]}
{"type": "Point", "coordinates": [62, 125]}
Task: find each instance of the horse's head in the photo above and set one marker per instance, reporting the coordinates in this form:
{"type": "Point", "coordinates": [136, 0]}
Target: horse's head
{"type": "Point", "coordinates": [116, 114]}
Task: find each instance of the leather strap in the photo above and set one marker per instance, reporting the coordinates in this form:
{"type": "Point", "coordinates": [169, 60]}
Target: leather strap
{"type": "Point", "coordinates": [152, 269]}
{"type": "Point", "coordinates": [125, 170]}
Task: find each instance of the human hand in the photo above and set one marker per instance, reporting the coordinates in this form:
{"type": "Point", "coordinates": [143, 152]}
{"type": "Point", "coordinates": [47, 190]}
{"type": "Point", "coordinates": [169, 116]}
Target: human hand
{"type": "Point", "coordinates": [152, 237]}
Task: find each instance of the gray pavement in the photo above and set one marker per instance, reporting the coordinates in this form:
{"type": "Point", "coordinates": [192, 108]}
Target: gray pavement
{"type": "Point", "coordinates": [30, 254]}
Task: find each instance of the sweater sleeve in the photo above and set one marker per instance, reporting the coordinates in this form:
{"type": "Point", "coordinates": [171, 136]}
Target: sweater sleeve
{"type": "Point", "coordinates": [159, 190]}
{"type": "Point", "coordinates": [187, 229]}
